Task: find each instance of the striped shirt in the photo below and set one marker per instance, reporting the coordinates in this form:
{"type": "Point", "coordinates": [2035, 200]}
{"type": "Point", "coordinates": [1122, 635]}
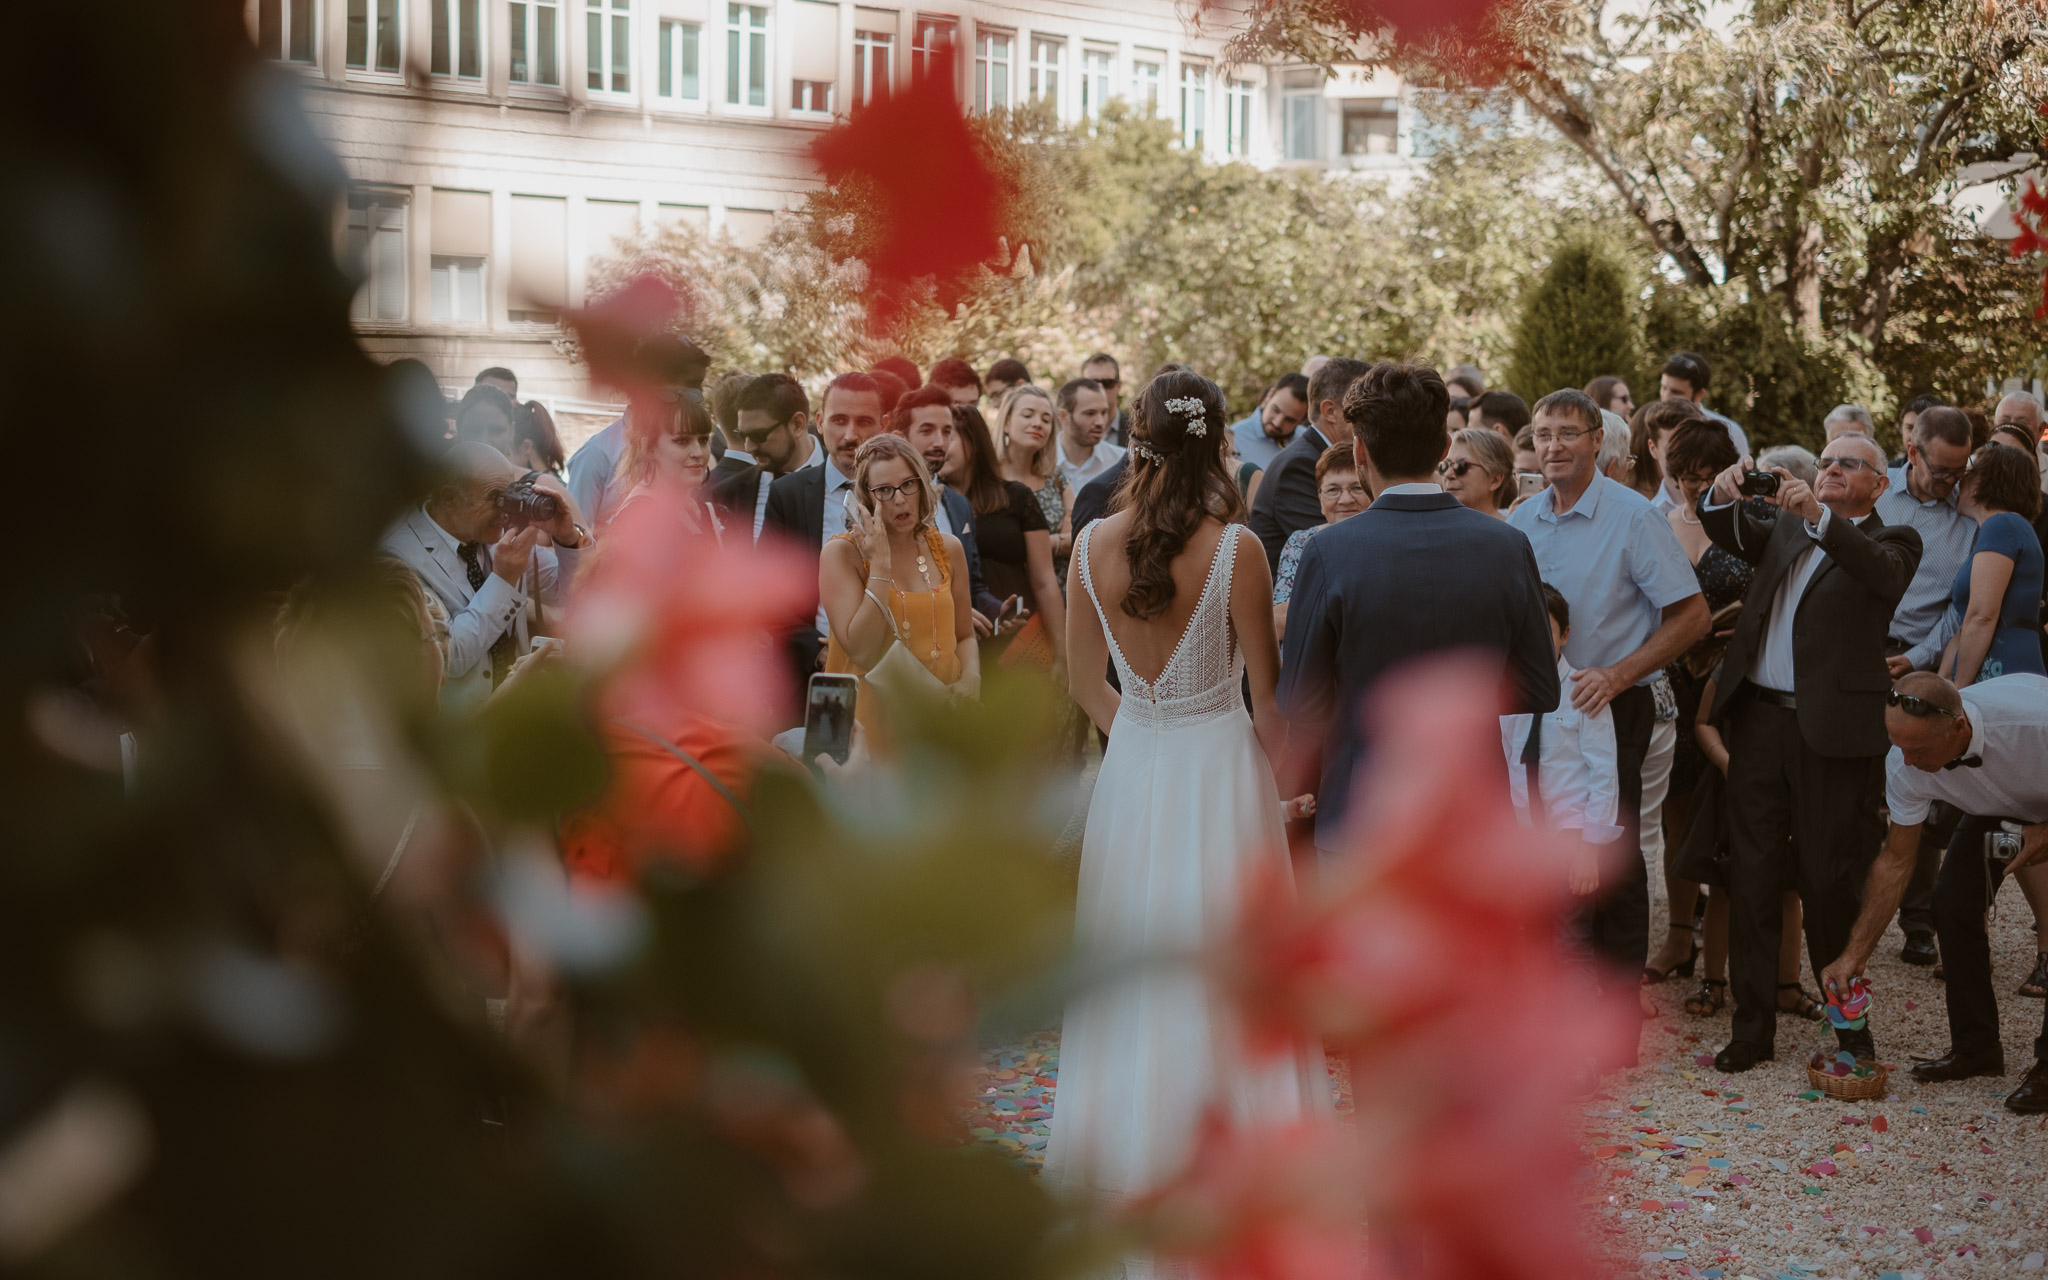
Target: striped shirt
{"type": "Point", "coordinates": [1946, 536]}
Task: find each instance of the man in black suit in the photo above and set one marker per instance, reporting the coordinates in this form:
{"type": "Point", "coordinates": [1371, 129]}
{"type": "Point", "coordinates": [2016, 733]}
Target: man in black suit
{"type": "Point", "coordinates": [731, 455]}
{"type": "Point", "coordinates": [1415, 574]}
{"type": "Point", "coordinates": [773, 427]}
{"type": "Point", "coordinates": [807, 507]}
{"type": "Point", "coordinates": [1286, 500]}
{"type": "Point", "coordinates": [1802, 693]}
{"type": "Point", "coordinates": [1092, 503]}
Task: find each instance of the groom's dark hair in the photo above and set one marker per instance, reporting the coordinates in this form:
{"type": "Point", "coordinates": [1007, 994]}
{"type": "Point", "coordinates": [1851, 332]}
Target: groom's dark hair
{"type": "Point", "coordinates": [1399, 412]}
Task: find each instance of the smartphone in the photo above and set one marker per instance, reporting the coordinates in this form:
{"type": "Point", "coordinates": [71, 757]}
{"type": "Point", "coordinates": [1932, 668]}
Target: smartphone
{"type": "Point", "coordinates": [537, 643]}
{"type": "Point", "coordinates": [1529, 483]}
{"type": "Point", "coordinates": [1013, 607]}
{"type": "Point", "coordinates": [852, 521]}
{"type": "Point", "coordinates": [828, 716]}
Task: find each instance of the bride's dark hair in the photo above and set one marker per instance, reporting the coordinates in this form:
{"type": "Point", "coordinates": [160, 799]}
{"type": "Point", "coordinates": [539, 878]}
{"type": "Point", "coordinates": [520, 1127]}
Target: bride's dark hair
{"type": "Point", "coordinates": [1175, 480]}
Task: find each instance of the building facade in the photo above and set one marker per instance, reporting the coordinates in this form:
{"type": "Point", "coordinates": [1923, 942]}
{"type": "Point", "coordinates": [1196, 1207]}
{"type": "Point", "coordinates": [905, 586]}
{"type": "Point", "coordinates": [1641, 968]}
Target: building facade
{"type": "Point", "coordinates": [496, 147]}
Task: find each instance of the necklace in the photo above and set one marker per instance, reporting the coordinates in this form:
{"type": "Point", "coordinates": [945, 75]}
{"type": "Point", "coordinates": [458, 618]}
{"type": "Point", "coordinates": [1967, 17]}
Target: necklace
{"type": "Point", "coordinates": [1686, 516]}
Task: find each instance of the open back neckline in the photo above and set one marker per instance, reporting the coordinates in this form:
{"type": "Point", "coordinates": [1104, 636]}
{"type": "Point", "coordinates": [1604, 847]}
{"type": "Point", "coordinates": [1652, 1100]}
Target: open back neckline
{"type": "Point", "coordinates": [1216, 564]}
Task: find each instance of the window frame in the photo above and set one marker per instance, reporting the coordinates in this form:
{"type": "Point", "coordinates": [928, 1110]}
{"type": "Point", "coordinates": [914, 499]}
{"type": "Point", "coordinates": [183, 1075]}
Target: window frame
{"type": "Point", "coordinates": [365, 200]}
{"type": "Point", "coordinates": [668, 59]}
{"type": "Point", "coordinates": [1240, 98]}
{"type": "Point", "coordinates": [1054, 72]}
{"type": "Point", "coordinates": [607, 14]}
{"type": "Point", "coordinates": [1194, 76]}
{"type": "Point", "coordinates": [865, 45]}
{"type": "Point", "coordinates": [986, 64]}
{"type": "Point", "coordinates": [933, 34]}
{"type": "Point", "coordinates": [799, 90]}
{"type": "Point", "coordinates": [1098, 77]}
{"type": "Point", "coordinates": [739, 39]}
{"type": "Point", "coordinates": [1290, 94]}
{"type": "Point", "coordinates": [527, 26]}
{"type": "Point", "coordinates": [482, 34]}
{"type": "Point", "coordinates": [1140, 83]}
{"type": "Point", "coordinates": [315, 37]}
{"type": "Point", "coordinates": [370, 71]}
{"type": "Point", "coordinates": [1386, 109]}
{"type": "Point", "coordinates": [454, 263]}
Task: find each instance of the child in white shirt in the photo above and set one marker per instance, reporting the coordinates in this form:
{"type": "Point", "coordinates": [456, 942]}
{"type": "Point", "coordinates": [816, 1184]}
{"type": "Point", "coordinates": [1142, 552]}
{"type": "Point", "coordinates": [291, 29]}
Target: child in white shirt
{"type": "Point", "coordinates": [1578, 775]}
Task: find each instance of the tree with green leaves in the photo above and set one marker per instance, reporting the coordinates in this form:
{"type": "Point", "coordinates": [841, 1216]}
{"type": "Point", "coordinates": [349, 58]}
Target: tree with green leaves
{"type": "Point", "coordinates": [1577, 322]}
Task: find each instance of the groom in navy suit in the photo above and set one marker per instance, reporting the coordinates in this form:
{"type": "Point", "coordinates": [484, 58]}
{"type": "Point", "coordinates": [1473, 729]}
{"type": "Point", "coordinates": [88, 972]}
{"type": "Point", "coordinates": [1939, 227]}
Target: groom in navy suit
{"type": "Point", "coordinates": [1416, 574]}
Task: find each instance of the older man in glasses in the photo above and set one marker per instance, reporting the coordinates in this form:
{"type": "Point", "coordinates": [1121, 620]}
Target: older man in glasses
{"type": "Point", "coordinates": [1923, 495]}
{"type": "Point", "coordinates": [1802, 692]}
{"type": "Point", "coordinates": [1979, 750]}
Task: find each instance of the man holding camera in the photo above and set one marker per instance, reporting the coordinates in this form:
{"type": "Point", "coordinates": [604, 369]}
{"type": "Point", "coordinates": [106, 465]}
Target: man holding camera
{"type": "Point", "coordinates": [1980, 750]}
{"type": "Point", "coordinates": [475, 543]}
{"type": "Point", "coordinates": [1802, 691]}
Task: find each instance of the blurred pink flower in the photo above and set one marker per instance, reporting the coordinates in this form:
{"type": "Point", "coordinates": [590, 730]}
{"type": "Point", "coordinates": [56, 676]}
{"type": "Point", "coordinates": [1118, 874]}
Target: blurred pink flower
{"type": "Point", "coordinates": [1430, 956]}
{"type": "Point", "coordinates": [676, 623]}
{"type": "Point", "coordinates": [1260, 1204]}
{"type": "Point", "coordinates": [610, 330]}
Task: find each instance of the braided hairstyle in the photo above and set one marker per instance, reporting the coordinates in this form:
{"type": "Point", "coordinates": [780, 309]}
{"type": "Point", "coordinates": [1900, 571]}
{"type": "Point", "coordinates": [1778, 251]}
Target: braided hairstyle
{"type": "Point", "coordinates": [1176, 479]}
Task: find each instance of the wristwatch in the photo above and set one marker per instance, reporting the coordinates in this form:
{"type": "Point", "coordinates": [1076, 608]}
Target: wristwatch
{"type": "Point", "coordinates": [582, 538]}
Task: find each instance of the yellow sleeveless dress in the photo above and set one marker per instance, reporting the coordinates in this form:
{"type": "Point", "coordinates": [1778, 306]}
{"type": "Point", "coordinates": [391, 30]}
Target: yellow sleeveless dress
{"type": "Point", "coordinates": [924, 620]}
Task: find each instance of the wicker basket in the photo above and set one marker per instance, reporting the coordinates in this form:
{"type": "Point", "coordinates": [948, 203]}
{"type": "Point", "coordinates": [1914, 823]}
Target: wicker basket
{"type": "Point", "coordinates": [1849, 1088]}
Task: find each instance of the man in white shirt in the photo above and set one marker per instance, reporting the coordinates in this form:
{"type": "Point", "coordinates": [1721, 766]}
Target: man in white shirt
{"type": "Point", "coordinates": [1981, 750]}
{"type": "Point", "coordinates": [1083, 415]}
{"type": "Point", "coordinates": [1578, 770]}
{"type": "Point", "coordinates": [485, 571]}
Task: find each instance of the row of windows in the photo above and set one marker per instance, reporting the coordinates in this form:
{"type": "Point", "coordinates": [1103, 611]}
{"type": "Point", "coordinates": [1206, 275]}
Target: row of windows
{"type": "Point", "coordinates": [460, 253]}
{"type": "Point", "coordinates": [286, 29]}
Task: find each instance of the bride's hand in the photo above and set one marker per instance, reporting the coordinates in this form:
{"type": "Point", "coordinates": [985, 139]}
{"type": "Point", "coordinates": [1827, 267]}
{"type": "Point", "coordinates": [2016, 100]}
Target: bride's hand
{"type": "Point", "coordinates": [1298, 808]}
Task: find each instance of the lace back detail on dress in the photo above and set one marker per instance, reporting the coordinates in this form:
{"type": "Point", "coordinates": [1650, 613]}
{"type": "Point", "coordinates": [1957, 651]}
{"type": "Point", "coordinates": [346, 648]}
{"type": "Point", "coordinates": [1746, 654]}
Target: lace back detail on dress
{"type": "Point", "coordinates": [1201, 678]}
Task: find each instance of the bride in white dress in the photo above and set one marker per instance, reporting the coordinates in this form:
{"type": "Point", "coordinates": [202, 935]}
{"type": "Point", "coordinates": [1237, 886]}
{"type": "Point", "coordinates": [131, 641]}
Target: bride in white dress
{"type": "Point", "coordinates": [1186, 812]}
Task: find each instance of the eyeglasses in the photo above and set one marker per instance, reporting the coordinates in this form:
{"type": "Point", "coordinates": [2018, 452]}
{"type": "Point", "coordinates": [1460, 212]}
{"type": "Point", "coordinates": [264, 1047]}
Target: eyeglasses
{"type": "Point", "coordinates": [1335, 491]}
{"type": "Point", "coordinates": [1845, 464]}
{"type": "Point", "coordinates": [1915, 706]}
{"type": "Point", "coordinates": [889, 492]}
{"type": "Point", "coordinates": [1458, 468]}
{"type": "Point", "coordinates": [1566, 436]}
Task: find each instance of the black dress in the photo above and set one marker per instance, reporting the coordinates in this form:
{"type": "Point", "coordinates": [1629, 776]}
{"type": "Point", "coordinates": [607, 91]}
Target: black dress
{"type": "Point", "coordinates": [1005, 564]}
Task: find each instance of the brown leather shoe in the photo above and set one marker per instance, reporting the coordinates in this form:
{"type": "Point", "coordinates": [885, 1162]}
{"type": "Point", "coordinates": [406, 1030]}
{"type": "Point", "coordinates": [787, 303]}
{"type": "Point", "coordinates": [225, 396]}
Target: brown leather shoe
{"type": "Point", "coordinates": [2031, 1098]}
{"type": "Point", "coordinates": [1962, 1066]}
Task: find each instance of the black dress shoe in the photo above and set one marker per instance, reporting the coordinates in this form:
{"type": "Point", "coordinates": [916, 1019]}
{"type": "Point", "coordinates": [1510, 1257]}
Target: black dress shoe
{"type": "Point", "coordinates": [2031, 1098]}
{"type": "Point", "coordinates": [1962, 1066]}
{"type": "Point", "coordinates": [1920, 949]}
{"type": "Point", "coordinates": [1741, 1055]}
{"type": "Point", "coordinates": [1858, 1042]}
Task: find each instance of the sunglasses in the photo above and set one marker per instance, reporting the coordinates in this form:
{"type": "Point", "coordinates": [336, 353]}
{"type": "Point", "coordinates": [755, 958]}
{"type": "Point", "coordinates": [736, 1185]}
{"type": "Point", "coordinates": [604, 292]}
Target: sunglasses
{"type": "Point", "coordinates": [1109, 384]}
{"type": "Point", "coordinates": [756, 436]}
{"type": "Point", "coordinates": [1914, 706]}
{"type": "Point", "coordinates": [1457, 469]}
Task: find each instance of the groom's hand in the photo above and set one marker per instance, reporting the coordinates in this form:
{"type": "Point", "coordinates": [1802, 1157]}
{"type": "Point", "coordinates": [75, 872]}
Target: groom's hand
{"type": "Point", "coordinates": [1593, 688]}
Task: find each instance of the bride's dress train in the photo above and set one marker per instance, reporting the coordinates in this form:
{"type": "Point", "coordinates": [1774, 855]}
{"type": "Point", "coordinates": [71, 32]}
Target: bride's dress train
{"type": "Point", "coordinates": [1185, 812]}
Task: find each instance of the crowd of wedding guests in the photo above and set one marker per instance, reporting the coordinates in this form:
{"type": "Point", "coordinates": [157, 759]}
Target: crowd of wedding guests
{"type": "Point", "coordinates": [1808, 691]}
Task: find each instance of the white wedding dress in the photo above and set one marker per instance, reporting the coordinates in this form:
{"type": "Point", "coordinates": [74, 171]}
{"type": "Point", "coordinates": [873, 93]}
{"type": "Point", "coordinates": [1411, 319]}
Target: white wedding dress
{"type": "Point", "coordinates": [1185, 812]}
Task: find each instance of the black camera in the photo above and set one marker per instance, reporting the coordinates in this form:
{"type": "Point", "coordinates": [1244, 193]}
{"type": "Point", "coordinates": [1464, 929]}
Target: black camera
{"type": "Point", "coordinates": [1759, 484]}
{"type": "Point", "coordinates": [523, 504]}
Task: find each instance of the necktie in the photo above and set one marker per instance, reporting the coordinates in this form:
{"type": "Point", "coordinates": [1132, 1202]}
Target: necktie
{"type": "Point", "coordinates": [472, 554]}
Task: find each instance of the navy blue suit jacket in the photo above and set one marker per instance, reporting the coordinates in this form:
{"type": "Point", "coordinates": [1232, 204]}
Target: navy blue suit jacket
{"type": "Point", "coordinates": [1411, 576]}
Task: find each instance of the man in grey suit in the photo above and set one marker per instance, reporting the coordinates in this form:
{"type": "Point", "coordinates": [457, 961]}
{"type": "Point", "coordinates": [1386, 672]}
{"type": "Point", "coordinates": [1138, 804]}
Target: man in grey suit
{"type": "Point", "coordinates": [485, 573]}
{"type": "Point", "coordinates": [1414, 575]}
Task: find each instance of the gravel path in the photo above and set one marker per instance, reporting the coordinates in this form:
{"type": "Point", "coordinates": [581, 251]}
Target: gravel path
{"type": "Point", "coordinates": [1702, 1174]}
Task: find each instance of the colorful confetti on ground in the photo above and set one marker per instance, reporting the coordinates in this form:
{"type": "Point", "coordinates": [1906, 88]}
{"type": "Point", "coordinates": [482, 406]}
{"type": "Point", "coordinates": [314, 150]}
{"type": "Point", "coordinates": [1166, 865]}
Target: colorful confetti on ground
{"type": "Point", "coordinates": [1013, 1110]}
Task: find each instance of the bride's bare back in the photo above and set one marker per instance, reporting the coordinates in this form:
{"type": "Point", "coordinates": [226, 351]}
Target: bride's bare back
{"type": "Point", "coordinates": [1148, 644]}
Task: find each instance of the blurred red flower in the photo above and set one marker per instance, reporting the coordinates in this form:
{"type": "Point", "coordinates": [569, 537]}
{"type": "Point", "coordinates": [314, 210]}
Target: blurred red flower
{"type": "Point", "coordinates": [610, 330]}
{"type": "Point", "coordinates": [939, 203]}
{"type": "Point", "coordinates": [1261, 1204]}
{"type": "Point", "coordinates": [679, 624]}
{"type": "Point", "coordinates": [1430, 956]}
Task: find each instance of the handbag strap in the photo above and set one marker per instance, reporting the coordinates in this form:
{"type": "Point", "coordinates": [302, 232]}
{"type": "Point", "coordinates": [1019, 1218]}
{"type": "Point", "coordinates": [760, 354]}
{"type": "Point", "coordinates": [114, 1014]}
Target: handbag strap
{"type": "Point", "coordinates": [716, 783]}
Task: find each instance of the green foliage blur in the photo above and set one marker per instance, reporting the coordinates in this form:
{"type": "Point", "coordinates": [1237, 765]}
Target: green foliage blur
{"type": "Point", "coordinates": [1578, 323]}
{"type": "Point", "coordinates": [217, 1056]}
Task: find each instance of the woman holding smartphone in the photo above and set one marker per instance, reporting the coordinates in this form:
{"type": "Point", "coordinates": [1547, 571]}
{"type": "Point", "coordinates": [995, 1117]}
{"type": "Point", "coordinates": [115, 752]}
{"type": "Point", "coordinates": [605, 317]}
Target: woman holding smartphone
{"type": "Point", "coordinates": [892, 578]}
{"type": "Point", "coordinates": [1015, 539]}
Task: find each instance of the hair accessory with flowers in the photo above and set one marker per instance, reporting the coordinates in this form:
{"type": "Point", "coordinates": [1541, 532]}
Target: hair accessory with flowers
{"type": "Point", "coordinates": [1148, 453]}
{"type": "Point", "coordinates": [1196, 411]}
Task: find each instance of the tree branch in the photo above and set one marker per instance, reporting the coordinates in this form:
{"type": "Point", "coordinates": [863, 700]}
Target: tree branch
{"type": "Point", "coordinates": [1943, 119]}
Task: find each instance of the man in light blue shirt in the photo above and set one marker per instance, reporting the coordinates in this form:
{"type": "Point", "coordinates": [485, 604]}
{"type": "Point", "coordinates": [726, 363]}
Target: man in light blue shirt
{"type": "Point", "coordinates": [1635, 606]}
{"type": "Point", "coordinates": [1685, 377]}
{"type": "Point", "coordinates": [1923, 497]}
{"type": "Point", "coordinates": [1268, 429]}
{"type": "Point", "coordinates": [673, 365]}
